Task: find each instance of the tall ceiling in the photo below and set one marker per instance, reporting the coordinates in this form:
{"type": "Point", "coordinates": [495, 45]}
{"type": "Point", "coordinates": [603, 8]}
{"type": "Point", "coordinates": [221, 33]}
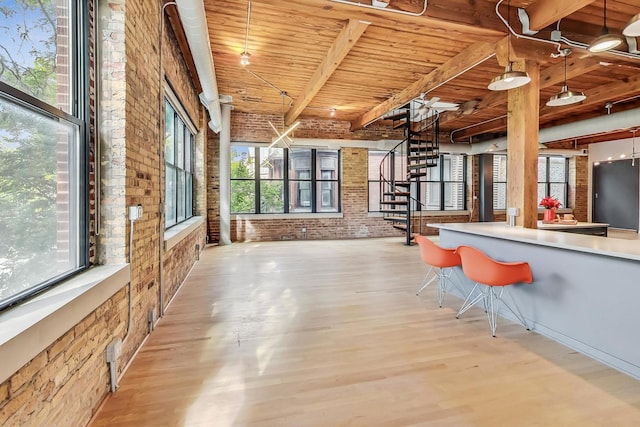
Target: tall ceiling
{"type": "Point", "coordinates": [308, 57]}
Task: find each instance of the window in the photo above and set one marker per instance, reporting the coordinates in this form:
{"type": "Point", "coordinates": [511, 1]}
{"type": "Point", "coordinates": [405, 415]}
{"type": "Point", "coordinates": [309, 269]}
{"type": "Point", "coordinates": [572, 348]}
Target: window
{"type": "Point", "coordinates": [553, 179]}
{"type": "Point", "coordinates": [375, 158]}
{"type": "Point", "coordinates": [499, 181]}
{"type": "Point", "coordinates": [178, 161]}
{"type": "Point", "coordinates": [279, 180]}
{"type": "Point", "coordinates": [444, 187]}
{"type": "Point", "coordinates": [43, 146]}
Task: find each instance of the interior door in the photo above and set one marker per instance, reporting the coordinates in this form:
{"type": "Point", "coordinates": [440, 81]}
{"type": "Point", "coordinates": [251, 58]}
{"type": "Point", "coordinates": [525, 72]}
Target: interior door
{"type": "Point", "coordinates": [615, 193]}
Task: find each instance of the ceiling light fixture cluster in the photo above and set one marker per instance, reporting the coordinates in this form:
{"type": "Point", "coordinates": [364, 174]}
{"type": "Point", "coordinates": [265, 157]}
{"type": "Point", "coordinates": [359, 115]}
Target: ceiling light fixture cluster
{"type": "Point", "coordinates": [244, 56]}
{"type": "Point", "coordinates": [509, 79]}
{"type": "Point", "coordinates": [606, 40]}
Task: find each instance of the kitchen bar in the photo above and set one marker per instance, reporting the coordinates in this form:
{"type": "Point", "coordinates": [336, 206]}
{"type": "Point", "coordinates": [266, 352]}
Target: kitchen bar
{"type": "Point", "coordinates": [585, 292]}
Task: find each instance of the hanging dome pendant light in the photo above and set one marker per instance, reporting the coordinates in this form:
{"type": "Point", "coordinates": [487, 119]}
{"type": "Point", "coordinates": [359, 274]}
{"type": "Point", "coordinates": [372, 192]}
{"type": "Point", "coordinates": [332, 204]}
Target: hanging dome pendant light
{"type": "Point", "coordinates": [633, 27]}
{"type": "Point", "coordinates": [509, 79]}
{"type": "Point", "coordinates": [606, 40]}
{"type": "Point", "coordinates": [566, 96]}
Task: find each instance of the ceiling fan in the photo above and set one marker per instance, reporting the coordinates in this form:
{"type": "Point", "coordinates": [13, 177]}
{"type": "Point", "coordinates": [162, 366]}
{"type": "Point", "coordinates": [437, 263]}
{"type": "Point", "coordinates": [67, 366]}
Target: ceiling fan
{"type": "Point", "coordinates": [424, 108]}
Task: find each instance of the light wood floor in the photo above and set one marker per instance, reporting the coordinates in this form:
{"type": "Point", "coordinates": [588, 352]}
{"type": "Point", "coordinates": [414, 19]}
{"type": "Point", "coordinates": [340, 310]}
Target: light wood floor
{"type": "Point", "coordinates": [331, 333]}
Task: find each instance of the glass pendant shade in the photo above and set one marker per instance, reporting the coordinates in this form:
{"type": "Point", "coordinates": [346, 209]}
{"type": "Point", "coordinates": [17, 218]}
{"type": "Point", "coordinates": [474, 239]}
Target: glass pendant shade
{"type": "Point", "coordinates": [509, 79]}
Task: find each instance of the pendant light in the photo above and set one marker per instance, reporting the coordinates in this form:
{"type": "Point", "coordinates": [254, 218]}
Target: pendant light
{"type": "Point", "coordinates": [566, 96]}
{"type": "Point", "coordinates": [509, 79]}
{"type": "Point", "coordinates": [244, 56]}
{"type": "Point", "coordinates": [606, 40]}
{"type": "Point", "coordinates": [633, 27]}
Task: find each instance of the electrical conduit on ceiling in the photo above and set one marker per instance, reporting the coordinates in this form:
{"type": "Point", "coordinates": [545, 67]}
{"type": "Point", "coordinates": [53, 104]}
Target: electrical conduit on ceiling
{"type": "Point", "coordinates": [382, 6]}
{"type": "Point", "coordinates": [192, 16]}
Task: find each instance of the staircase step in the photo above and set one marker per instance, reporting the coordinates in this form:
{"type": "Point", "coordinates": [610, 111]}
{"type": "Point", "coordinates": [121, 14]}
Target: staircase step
{"type": "Point", "coordinates": [418, 174]}
{"type": "Point", "coordinates": [396, 212]}
{"type": "Point", "coordinates": [422, 149]}
{"type": "Point", "coordinates": [402, 227]}
{"type": "Point", "coordinates": [394, 202]}
{"type": "Point", "coordinates": [395, 218]}
{"type": "Point", "coordinates": [398, 116]}
{"type": "Point", "coordinates": [418, 157]}
{"type": "Point", "coordinates": [398, 194]}
{"type": "Point", "coordinates": [417, 167]}
{"type": "Point", "coordinates": [399, 124]}
{"type": "Point", "coordinates": [403, 184]}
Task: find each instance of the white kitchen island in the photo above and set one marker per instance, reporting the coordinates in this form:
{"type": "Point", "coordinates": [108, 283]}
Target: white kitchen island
{"type": "Point", "coordinates": [586, 289]}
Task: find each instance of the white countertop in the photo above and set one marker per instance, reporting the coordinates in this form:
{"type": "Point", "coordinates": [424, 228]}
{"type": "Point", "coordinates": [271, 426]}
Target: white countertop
{"type": "Point", "coordinates": [607, 246]}
{"type": "Point", "coordinates": [563, 225]}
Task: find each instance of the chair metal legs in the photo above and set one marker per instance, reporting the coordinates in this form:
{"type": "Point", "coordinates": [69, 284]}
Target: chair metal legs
{"type": "Point", "coordinates": [443, 276]}
{"type": "Point", "coordinates": [491, 299]}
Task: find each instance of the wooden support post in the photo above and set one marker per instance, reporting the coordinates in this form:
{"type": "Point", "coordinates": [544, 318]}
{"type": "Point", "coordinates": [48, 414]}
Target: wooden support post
{"type": "Point", "coordinates": [522, 146]}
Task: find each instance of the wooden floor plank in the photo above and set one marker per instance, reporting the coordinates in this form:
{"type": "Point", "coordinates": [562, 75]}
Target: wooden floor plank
{"type": "Point", "coordinates": [330, 333]}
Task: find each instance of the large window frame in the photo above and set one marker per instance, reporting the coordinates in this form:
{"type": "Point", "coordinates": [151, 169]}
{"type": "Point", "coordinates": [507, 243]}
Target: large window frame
{"type": "Point", "coordinates": [286, 180]}
{"type": "Point", "coordinates": [548, 184]}
{"type": "Point", "coordinates": [179, 162]}
{"type": "Point", "coordinates": [440, 180]}
{"type": "Point", "coordinates": [60, 122]}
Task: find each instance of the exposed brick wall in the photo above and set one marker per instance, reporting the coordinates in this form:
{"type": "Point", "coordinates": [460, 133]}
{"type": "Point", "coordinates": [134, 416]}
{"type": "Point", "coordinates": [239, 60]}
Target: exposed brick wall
{"type": "Point", "coordinates": [355, 221]}
{"type": "Point", "coordinates": [213, 187]}
{"type": "Point", "coordinates": [64, 384]}
{"type": "Point", "coordinates": [578, 196]}
{"type": "Point", "coordinates": [180, 259]}
{"type": "Point", "coordinates": [249, 127]}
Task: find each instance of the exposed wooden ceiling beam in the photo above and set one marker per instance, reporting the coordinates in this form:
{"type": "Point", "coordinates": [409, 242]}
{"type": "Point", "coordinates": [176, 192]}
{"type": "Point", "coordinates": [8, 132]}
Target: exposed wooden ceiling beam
{"type": "Point", "coordinates": [448, 15]}
{"type": "Point", "coordinates": [554, 75]}
{"type": "Point", "coordinates": [472, 55]}
{"type": "Point", "coordinates": [550, 76]}
{"type": "Point", "coordinates": [345, 41]}
{"type": "Point", "coordinates": [545, 12]}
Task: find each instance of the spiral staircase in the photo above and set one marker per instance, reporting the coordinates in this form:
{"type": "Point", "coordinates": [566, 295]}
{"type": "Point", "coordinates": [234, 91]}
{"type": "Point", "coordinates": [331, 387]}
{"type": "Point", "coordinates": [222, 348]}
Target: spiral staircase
{"type": "Point", "coordinates": [403, 166]}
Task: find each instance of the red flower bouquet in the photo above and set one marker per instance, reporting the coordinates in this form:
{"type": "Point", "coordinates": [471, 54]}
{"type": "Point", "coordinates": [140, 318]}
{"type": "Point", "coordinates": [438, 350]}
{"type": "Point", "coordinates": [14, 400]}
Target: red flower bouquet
{"type": "Point", "coordinates": [550, 203]}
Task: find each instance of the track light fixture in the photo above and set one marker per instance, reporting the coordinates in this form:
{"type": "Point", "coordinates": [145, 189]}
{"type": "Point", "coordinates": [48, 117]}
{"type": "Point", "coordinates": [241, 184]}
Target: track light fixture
{"type": "Point", "coordinates": [566, 96]}
{"type": "Point", "coordinates": [509, 79]}
{"type": "Point", "coordinates": [605, 41]}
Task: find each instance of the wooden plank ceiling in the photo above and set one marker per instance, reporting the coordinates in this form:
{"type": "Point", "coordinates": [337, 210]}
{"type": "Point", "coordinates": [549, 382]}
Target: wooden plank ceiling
{"type": "Point", "coordinates": [311, 56]}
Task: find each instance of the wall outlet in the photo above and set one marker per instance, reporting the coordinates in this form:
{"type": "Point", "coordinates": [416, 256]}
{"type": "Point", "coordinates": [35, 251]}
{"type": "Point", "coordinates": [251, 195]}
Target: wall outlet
{"type": "Point", "coordinates": [135, 212]}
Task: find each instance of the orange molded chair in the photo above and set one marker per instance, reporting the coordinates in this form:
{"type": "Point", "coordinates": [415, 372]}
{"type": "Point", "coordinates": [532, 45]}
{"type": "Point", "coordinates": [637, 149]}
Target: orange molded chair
{"type": "Point", "coordinates": [440, 261]}
{"type": "Point", "coordinates": [484, 270]}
